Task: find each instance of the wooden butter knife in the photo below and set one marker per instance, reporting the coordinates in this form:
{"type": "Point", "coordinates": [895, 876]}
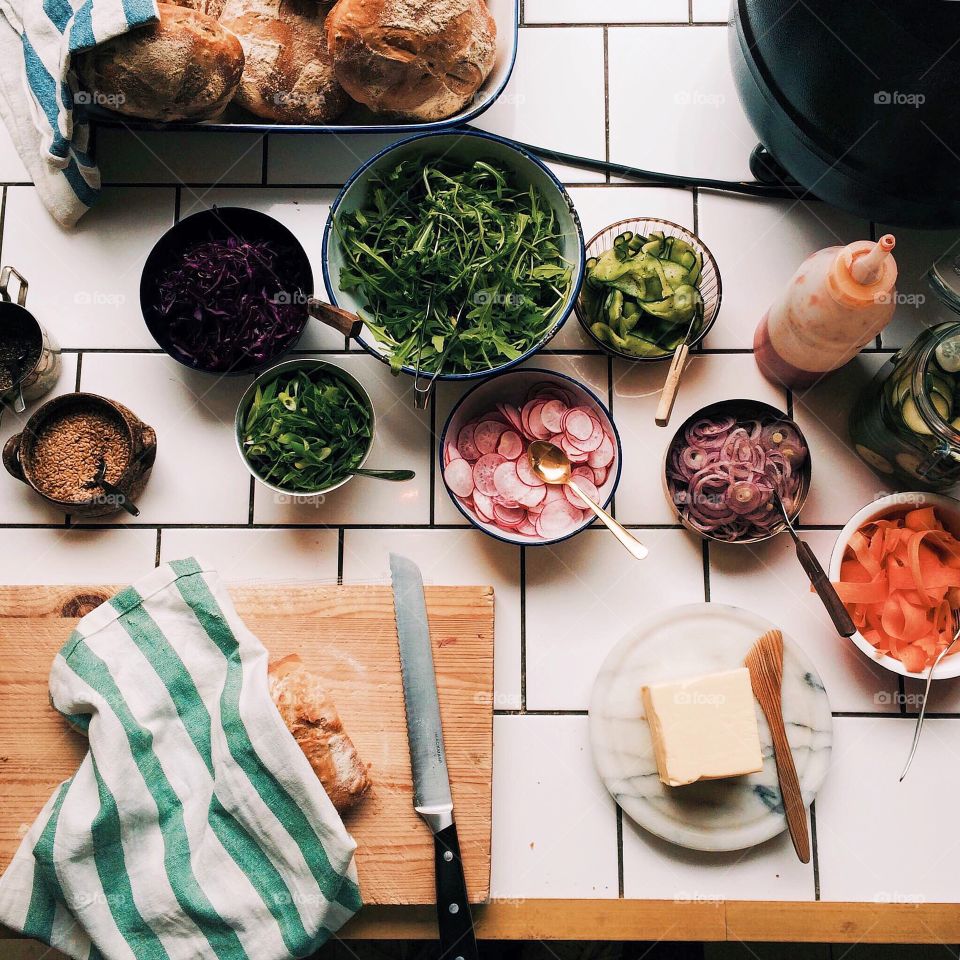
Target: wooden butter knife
{"type": "Point", "coordinates": [765, 663]}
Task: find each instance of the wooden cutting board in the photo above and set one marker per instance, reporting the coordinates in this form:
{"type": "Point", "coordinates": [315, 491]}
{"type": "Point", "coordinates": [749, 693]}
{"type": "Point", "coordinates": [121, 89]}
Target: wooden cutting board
{"type": "Point", "coordinates": [347, 634]}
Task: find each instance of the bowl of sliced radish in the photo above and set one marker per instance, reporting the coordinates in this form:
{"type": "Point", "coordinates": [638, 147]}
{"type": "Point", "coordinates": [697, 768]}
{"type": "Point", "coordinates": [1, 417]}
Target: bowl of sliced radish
{"type": "Point", "coordinates": [483, 455]}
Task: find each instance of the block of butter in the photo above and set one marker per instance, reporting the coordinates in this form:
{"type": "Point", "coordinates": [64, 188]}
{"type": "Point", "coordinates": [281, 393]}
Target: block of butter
{"type": "Point", "coordinates": [704, 728]}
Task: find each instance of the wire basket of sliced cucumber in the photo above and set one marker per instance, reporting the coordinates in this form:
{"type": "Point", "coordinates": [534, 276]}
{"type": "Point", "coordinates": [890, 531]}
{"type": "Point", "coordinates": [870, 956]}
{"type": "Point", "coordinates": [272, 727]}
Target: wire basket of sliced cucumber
{"type": "Point", "coordinates": [649, 285]}
{"type": "Point", "coordinates": [906, 422]}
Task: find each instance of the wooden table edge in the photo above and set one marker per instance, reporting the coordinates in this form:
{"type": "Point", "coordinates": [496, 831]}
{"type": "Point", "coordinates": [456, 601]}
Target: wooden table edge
{"type": "Point", "coordinates": [668, 920]}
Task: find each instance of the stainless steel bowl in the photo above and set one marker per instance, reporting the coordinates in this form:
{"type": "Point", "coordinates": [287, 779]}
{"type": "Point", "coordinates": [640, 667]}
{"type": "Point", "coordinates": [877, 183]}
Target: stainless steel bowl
{"type": "Point", "coordinates": [740, 410]}
{"type": "Point", "coordinates": [309, 364]}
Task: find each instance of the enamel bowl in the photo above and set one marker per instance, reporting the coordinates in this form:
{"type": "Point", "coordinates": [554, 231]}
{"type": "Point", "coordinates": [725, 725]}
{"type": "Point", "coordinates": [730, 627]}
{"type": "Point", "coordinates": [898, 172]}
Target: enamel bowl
{"type": "Point", "coordinates": [948, 510]}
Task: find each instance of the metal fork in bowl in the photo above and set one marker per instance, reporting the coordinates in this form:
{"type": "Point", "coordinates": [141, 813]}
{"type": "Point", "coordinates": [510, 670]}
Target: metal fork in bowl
{"type": "Point", "coordinates": [955, 613]}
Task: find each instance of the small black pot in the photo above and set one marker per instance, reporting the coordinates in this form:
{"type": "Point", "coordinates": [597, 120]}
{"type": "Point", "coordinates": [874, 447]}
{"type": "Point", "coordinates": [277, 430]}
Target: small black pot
{"type": "Point", "coordinates": [220, 223]}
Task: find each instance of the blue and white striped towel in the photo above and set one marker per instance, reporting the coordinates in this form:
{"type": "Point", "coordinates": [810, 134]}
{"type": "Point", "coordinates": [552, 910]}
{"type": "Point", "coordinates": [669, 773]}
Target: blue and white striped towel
{"type": "Point", "coordinates": [38, 97]}
{"type": "Point", "coordinates": [195, 827]}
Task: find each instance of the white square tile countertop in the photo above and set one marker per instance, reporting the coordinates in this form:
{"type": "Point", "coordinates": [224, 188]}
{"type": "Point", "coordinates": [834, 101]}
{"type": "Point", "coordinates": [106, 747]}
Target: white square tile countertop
{"type": "Point", "coordinates": [556, 831]}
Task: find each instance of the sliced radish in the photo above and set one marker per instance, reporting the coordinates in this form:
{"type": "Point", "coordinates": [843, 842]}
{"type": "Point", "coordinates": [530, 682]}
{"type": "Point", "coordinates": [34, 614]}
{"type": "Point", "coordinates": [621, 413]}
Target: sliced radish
{"type": "Point", "coordinates": [487, 434]}
{"type": "Point", "coordinates": [509, 516]}
{"type": "Point", "coordinates": [554, 492]}
{"type": "Point", "coordinates": [587, 487]}
{"type": "Point", "coordinates": [450, 452]}
{"type": "Point", "coordinates": [483, 471]}
{"type": "Point", "coordinates": [459, 477]}
{"type": "Point", "coordinates": [528, 528]}
{"type": "Point", "coordinates": [510, 445]}
{"type": "Point", "coordinates": [600, 476]}
{"type": "Point", "coordinates": [508, 484]}
{"type": "Point", "coordinates": [552, 415]}
{"type": "Point", "coordinates": [525, 472]}
{"type": "Point", "coordinates": [603, 455]}
{"type": "Point", "coordinates": [483, 505]}
{"type": "Point", "coordinates": [578, 423]}
{"type": "Point", "coordinates": [558, 519]}
{"type": "Point", "coordinates": [468, 449]}
{"type": "Point", "coordinates": [583, 471]}
{"type": "Point", "coordinates": [594, 440]}
{"type": "Point", "coordinates": [536, 427]}
{"type": "Point", "coordinates": [532, 497]}
{"type": "Point", "coordinates": [512, 414]}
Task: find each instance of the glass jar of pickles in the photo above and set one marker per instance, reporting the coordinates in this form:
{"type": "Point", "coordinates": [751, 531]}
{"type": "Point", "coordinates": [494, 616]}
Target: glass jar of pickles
{"type": "Point", "coordinates": [906, 423]}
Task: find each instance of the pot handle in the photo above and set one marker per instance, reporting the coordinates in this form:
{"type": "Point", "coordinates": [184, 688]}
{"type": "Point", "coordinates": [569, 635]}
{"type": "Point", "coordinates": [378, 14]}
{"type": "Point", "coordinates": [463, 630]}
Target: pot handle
{"type": "Point", "coordinates": [5, 275]}
{"type": "Point", "coordinates": [11, 458]}
{"type": "Point", "coordinates": [148, 438]}
{"type": "Point", "coordinates": [349, 324]}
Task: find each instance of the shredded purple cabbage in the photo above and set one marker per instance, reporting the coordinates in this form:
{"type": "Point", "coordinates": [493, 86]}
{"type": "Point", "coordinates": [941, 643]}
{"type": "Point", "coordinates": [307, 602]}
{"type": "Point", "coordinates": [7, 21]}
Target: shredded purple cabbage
{"type": "Point", "coordinates": [223, 306]}
{"type": "Point", "coordinates": [722, 475]}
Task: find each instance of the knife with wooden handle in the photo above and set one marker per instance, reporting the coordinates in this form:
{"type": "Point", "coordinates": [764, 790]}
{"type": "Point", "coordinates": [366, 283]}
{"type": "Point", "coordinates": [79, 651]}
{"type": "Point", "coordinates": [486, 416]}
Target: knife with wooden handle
{"type": "Point", "coordinates": [431, 782]}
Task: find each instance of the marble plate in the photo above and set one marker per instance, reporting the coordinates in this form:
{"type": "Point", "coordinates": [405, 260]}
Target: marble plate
{"type": "Point", "coordinates": [717, 814]}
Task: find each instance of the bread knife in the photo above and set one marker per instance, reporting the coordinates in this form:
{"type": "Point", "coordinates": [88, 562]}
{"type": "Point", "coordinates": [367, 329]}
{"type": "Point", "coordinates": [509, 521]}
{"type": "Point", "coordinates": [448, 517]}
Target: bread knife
{"type": "Point", "coordinates": [431, 781]}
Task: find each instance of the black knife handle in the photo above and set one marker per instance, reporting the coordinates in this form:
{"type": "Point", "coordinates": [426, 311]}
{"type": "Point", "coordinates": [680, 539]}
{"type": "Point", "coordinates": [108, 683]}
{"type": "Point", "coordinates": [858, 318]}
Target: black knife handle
{"type": "Point", "coordinates": [457, 940]}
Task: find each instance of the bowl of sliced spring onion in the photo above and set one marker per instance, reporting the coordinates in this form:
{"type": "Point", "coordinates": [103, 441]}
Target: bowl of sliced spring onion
{"type": "Point", "coordinates": [724, 464]}
{"type": "Point", "coordinates": [304, 427]}
{"type": "Point", "coordinates": [649, 284]}
{"type": "Point", "coordinates": [461, 253]}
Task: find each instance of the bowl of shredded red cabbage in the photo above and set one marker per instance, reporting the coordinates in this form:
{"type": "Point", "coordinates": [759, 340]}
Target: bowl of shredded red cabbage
{"type": "Point", "coordinates": [225, 291]}
{"type": "Point", "coordinates": [724, 465]}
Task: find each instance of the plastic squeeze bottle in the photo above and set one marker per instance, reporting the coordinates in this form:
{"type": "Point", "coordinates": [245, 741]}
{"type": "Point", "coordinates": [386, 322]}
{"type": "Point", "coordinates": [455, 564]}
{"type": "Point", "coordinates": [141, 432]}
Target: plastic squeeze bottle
{"type": "Point", "coordinates": [836, 303]}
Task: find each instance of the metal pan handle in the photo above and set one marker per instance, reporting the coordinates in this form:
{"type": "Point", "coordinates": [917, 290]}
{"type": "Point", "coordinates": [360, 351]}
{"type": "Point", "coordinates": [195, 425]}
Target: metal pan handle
{"type": "Point", "coordinates": [5, 274]}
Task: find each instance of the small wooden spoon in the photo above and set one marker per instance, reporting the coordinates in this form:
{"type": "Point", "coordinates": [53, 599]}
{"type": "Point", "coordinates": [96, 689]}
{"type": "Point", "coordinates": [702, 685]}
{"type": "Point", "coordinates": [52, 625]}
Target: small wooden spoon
{"type": "Point", "coordinates": [765, 663]}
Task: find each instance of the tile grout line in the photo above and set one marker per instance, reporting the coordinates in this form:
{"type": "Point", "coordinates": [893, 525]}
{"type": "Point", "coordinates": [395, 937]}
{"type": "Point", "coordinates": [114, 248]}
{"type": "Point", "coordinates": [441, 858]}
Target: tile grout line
{"type": "Point", "coordinates": [705, 544]}
{"type": "Point", "coordinates": [606, 98]}
{"type": "Point", "coordinates": [76, 384]}
{"type": "Point", "coordinates": [619, 850]}
{"type": "Point", "coordinates": [433, 457]}
{"type": "Point", "coordinates": [814, 850]}
{"type": "Point", "coordinates": [156, 559]}
{"type": "Point", "coordinates": [3, 216]}
{"type": "Point", "coordinates": [264, 160]}
{"type": "Point", "coordinates": [523, 630]}
{"type": "Point", "coordinates": [177, 197]}
{"type": "Point", "coordinates": [341, 536]}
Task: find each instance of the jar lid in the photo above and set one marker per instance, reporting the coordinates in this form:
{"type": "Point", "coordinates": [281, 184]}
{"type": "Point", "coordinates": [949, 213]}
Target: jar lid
{"type": "Point", "coordinates": [944, 279]}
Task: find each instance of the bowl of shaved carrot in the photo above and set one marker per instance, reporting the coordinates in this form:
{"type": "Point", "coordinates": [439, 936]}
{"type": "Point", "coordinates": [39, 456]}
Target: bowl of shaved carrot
{"type": "Point", "coordinates": [896, 567]}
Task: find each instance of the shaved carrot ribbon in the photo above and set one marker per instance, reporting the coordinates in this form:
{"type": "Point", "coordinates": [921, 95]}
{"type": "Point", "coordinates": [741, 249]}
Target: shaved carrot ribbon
{"type": "Point", "coordinates": [899, 578]}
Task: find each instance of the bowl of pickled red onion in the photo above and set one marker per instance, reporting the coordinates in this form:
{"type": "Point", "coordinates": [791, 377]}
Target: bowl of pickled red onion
{"type": "Point", "coordinates": [724, 464]}
{"type": "Point", "coordinates": [483, 455]}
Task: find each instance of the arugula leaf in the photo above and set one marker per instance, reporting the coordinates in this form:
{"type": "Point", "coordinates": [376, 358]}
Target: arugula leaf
{"type": "Point", "coordinates": [461, 251]}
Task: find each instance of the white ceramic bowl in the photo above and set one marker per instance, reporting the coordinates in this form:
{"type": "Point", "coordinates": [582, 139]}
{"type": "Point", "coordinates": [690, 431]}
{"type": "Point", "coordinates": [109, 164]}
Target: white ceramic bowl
{"type": "Point", "coordinates": [464, 146]}
{"type": "Point", "coordinates": [948, 511]}
{"type": "Point", "coordinates": [512, 387]}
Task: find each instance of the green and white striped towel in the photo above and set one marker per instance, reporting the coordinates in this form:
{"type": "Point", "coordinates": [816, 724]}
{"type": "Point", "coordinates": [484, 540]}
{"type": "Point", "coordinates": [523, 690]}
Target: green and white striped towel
{"type": "Point", "coordinates": [194, 828]}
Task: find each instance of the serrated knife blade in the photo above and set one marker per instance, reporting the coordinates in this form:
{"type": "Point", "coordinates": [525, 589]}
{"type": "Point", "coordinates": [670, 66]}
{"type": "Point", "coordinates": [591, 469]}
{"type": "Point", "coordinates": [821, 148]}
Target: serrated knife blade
{"type": "Point", "coordinates": [431, 781]}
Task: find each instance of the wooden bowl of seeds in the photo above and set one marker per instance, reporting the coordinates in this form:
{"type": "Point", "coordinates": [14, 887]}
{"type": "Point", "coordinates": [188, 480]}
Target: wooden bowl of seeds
{"type": "Point", "coordinates": [60, 450]}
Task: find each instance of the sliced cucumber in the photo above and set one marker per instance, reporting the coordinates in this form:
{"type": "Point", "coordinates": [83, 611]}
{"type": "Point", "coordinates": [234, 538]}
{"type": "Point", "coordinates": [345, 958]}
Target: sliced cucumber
{"type": "Point", "coordinates": [947, 355]}
{"type": "Point", "coordinates": [873, 459]}
{"type": "Point", "coordinates": [911, 417]}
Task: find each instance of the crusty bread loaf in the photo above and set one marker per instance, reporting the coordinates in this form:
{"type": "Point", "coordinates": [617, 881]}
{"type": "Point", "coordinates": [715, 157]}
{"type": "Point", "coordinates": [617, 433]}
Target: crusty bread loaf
{"type": "Point", "coordinates": [212, 8]}
{"type": "Point", "coordinates": [288, 76]}
{"type": "Point", "coordinates": [312, 718]}
{"type": "Point", "coordinates": [186, 67]}
{"type": "Point", "coordinates": [419, 59]}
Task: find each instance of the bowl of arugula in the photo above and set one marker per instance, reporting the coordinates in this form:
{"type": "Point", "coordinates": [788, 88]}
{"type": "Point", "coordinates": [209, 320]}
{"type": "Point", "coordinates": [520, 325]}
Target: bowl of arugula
{"type": "Point", "coordinates": [461, 253]}
{"type": "Point", "coordinates": [304, 427]}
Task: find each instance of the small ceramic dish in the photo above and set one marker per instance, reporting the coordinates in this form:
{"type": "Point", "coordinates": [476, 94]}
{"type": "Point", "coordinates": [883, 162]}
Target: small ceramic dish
{"type": "Point", "coordinates": [741, 410]}
{"type": "Point", "coordinates": [286, 368]}
{"type": "Point", "coordinates": [709, 284]}
{"type": "Point", "coordinates": [896, 504]}
{"type": "Point", "coordinates": [504, 397]}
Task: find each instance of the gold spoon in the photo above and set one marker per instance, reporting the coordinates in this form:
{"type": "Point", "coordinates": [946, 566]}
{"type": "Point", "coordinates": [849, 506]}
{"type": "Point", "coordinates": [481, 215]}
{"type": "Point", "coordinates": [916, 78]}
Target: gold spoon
{"type": "Point", "coordinates": [552, 466]}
